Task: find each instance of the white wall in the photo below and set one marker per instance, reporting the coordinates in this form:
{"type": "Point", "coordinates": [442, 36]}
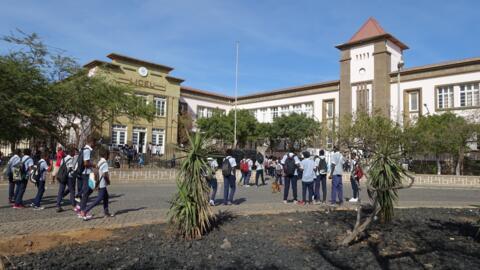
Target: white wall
{"type": "Point", "coordinates": [317, 100]}
{"type": "Point", "coordinates": [193, 103]}
{"type": "Point", "coordinates": [362, 57]}
{"type": "Point", "coordinates": [396, 55]}
{"type": "Point", "coordinates": [428, 92]}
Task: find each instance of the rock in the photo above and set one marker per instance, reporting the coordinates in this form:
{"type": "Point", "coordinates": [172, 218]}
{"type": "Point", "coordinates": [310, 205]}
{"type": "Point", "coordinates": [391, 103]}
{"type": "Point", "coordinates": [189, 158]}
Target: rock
{"type": "Point", "coordinates": [300, 222]}
{"type": "Point", "coordinates": [210, 256]}
{"type": "Point", "coordinates": [226, 244]}
{"type": "Point", "coordinates": [428, 266]}
{"type": "Point", "coordinates": [290, 219]}
{"type": "Point", "coordinates": [325, 223]}
{"type": "Point", "coordinates": [451, 238]}
{"type": "Point", "coordinates": [117, 248]}
{"type": "Point", "coordinates": [151, 235]}
{"type": "Point", "coordinates": [245, 233]}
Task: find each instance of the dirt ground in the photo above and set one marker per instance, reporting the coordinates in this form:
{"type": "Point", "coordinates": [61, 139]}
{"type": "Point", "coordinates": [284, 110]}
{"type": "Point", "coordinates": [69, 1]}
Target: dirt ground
{"type": "Point", "coordinates": [415, 239]}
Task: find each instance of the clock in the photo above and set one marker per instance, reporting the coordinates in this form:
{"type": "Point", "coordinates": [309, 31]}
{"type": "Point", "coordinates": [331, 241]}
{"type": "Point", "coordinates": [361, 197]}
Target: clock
{"type": "Point", "coordinates": [143, 71]}
{"type": "Point", "coordinates": [361, 71]}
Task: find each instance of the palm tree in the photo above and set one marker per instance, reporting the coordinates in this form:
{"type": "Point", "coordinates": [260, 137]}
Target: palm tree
{"type": "Point", "coordinates": [190, 214]}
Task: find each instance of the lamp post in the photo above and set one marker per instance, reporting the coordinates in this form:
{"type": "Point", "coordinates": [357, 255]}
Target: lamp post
{"type": "Point", "coordinates": [399, 92]}
{"type": "Point", "coordinates": [235, 107]}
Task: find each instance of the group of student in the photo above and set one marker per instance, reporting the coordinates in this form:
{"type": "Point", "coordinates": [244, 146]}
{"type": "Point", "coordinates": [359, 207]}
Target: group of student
{"type": "Point", "coordinates": [75, 172]}
{"type": "Point", "coordinates": [313, 171]}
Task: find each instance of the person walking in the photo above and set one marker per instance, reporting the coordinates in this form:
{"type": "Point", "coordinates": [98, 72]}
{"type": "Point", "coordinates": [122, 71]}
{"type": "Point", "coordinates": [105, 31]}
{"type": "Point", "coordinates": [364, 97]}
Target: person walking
{"type": "Point", "coordinates": [246, 171]}
{"type": "Point", "coordinates": [13, 164]}
{"type": "Point", "coordinates": [259, 173]}
{"type": "Point", "coordinates": [307, 165]}
{"type": "Point", "coordinates": [278, 172]}
{"type": "Point", "coordinates": [103, 182]}
{"type": "Point", "coordinates": [212, 179]}
{"type": "Point", "coordinates": [26, 169]}
{"type": "Point", "coordinates": [321, 180]}
{"type": "Point", "coordinates": [58, 159]}
{"type": "Point", "coordinates": [290, 164]}
{"type": "Point", "coordinates": [87, 159]}
{"type": "Point", "coordinates": [69, 183]}
{"type": "Point", "coordinates": [228, 172]}
{"type": "Point", "coordinates": [42, 168]}
{"type": "Point", "coordinates": [336, 172]}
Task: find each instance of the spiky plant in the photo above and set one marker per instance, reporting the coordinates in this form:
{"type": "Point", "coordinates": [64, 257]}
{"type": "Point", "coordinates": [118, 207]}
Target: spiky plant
{"type": "Point", "coordinates": [190, 214]}
{"type": "Point", "coordinates": [384, 179]}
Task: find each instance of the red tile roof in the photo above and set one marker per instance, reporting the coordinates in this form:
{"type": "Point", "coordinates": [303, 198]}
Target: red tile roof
{"type": "Point", "coordinates": [371, 28]}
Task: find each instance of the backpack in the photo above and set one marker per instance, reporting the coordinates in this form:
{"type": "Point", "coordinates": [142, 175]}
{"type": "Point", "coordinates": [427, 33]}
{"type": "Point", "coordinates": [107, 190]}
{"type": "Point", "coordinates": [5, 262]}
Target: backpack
{"type": "Point", "coordinates": [17, 172]}
{"type": "Point", "coordinates": [36, 173]}
{"type": "Point", "coordinates": [79, 168]}
{"type": "Point", "coordinates": [260, 158]}
{"type": "Point", "coordinates": [226, 167]}
{"type": "Point", "coordinates": [62, 174]}
{"type": "Point", "coordinates": [322, 166]}
{"type": "Point", "coordinates": [244, 166]}
{"type": "Point", "coordinates": [290, 166]}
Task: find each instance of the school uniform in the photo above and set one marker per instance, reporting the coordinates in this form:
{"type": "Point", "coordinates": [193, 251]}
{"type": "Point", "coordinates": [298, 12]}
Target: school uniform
{"type": "Point", "coordinates": [290, 180]}
{"type": "Point", "coordinates": [22, 185]}
{"type": "Point", "coordinates": [14, 160]}
{"type": "Point", "coordinates": [212, 181]}
{"type": "Point", "coordinates": [102, 188]}
{"type": "Point", "coordinates": [70, 183]}
{"type": "Point", "coordinates": [229, 185]}
{"type": "Point", "coordinates": [42, 170]}
{"type": "Point", "coordinates": [259, 173]}
{"type": "Point", "coordinates": [87, 156]}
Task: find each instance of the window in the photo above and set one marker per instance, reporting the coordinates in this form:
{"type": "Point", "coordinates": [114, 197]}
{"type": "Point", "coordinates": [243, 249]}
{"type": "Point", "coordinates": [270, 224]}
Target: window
{"type": "Point", "coordinates": [158, 139]}
{"type": "Point", "coordinates": [329, 110]}
{"type": "Point", "coordinates": [362, 98]}
{"type": "Point", "coordinates": [469, 95]}
{"type": "Point", "coordinates": [160, 106]}
{"type": "Point", "coordinates": [297, 108]}
{"type": "Point", "coordinates": [119, 135]}
{"type": "Point", "coordinates": [143, 99]}
{"type": "Point", "coordinates": [445, 97]}
{"type": "Point", "coordinates": [309, 109]}
{"type": "Point", "coordinates": [284, 110]}
{"type": "Point", "coordinates": [207, 112]}
{"type": "Point", "coordinates": [413, 101]}
{"type": "Point", "coordinates": [274, 112]}
{"type": "Point", "coordinates": [263, 115]}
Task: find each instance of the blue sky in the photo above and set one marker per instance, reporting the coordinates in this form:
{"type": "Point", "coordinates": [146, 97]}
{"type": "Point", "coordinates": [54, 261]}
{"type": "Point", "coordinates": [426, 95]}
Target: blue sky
{"type": "Point", "coordinates": [283, 43]}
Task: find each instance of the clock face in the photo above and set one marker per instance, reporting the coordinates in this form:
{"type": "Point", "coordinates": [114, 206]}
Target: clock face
{"type": "Point", "coordinates": [361, 71]}
{"type": "Point", "coordinates": [143, 71]}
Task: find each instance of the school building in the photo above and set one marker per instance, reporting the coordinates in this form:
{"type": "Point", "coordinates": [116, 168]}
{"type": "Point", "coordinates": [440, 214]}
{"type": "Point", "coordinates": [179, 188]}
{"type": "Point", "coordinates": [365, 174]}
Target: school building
{"type": "Point", "coordinates": [372, 77]}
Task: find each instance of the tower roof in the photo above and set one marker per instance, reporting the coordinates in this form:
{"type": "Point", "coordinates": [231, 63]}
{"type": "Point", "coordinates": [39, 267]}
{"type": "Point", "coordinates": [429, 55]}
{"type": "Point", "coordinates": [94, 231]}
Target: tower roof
{"type": "Point", "coordinates": [369, 31]}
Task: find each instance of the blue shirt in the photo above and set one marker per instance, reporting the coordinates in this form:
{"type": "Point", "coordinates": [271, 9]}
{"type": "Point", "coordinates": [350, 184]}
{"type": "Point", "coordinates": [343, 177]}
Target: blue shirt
{"type": "Point", "coordinates": [87, 153]}
{"type": "Point", "coordinates": [28, 162]}
{"type": "Point", "coordinates": [308, 166]}
{"type": "Point", "coordinates": [338, 161]}
{"type": "Point", "coordinates": [102, 170]}
{"type": "Point", "coordinates": [42, 168]}
{"type": "Point", "coordinates": [12, 162]}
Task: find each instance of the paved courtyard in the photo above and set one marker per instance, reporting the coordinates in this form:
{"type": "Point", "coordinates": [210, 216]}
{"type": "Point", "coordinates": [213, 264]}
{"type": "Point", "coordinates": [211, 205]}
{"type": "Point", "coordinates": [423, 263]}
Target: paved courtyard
{"type": "Point", "coordinates": [149, 203]}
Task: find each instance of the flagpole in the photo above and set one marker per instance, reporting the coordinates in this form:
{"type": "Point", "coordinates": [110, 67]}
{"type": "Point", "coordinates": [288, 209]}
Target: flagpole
{"type": "Point", "coordinates": [235, 105]}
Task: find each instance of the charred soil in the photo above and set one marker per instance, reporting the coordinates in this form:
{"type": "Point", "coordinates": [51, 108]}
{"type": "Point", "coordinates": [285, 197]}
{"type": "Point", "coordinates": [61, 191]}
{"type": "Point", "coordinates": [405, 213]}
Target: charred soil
{"type": "Point", "coordinates": [415, 239]}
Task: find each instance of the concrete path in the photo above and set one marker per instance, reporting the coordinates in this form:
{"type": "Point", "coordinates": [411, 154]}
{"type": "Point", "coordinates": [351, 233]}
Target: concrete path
{"type": "Point", "coordinates": [148, 203]}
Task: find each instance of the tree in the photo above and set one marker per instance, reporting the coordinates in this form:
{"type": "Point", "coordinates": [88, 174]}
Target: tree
{"type": "Point", "coordinates": [433, 134]}
{"type": "Point", "coordinates": [185, 125]}
{"type": "Point", "coordinates": [44, 94]}
{"type": "Point", "coordinates": [220, 126]}
{"type": "Point", "coordinates": [297, 130]}
{"type": "Point", "coordinates": [379, 142]}
{"type": "Point", "coordinates": [190, 213]}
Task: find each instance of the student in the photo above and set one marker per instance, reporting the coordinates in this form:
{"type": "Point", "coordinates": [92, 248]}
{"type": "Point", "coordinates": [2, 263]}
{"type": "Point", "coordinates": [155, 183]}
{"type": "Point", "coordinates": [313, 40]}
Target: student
{"type": "Point", "coordinates": [307, 166]}
{"type": "Point", "coordinates": [14, 161]}
{"type": "Point", "coordinates": [42, 168]}
{"type": "Point", "coordinates": [259, 172]}
{"type": "Point", "coordinates": [59, 156]}
{"type": "Point", "coordinates": [290, 163]}
{"type": "Point", "coordinates": [357, 174]}
{"type": "Point", "coordinates": [278, 172]}
{"type": "Point", "coordinates": [27, 165]}
{"type": "Point", "coordinates": [104, 181]}
{"type": "Point", "coordinates": [87, 169]}
{"type": "Point", "coordinates": [336, 171]}
{"type": "Point", "coordinates": [212, 179]}
{"type": "Point", "coordinates": [68, 160]}
{"type": "Point", "coordinates": [322, 169]}
{"type": "Point", "coordinates": [228, 172]}
{"type": "Point", "coordinates": [245, 170]}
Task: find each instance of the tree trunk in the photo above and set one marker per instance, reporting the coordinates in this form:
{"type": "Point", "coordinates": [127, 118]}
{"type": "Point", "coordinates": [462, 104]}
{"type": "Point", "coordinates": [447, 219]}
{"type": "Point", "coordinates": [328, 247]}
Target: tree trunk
{"type": "Point", "coordinates": [361, 227]}
{"type": "Point", "coordinates": [439, 166]}
{"type": "Point", "coordinates": [459, 167]}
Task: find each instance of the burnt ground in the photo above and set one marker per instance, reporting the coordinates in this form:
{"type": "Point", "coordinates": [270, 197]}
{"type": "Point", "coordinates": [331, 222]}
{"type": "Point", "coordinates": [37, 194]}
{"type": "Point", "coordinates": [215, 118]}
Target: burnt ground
{"type": "Point", "coordinates": [415, 239]}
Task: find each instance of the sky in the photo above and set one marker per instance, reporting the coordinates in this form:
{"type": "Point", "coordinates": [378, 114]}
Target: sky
{"type": "Point", "coordinates": [282, 43]}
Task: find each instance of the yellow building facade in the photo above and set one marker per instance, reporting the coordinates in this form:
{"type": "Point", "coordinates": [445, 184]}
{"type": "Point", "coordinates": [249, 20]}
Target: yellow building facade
{"type": "Point", "coordinates": [153, 83]}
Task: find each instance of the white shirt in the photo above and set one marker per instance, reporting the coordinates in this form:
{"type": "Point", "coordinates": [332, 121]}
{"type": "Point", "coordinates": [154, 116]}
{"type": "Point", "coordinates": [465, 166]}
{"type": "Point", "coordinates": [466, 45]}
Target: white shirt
{"type": "Point", "coordinates": [233, 164]}
{"type": "Point", "coordinates": [42, 168]}
{"type": "Point", "coordinates": [28, 162]}
{"type": "Point", "coordinates": [87, 152]}
{"type": "Point", "coordinates": [14, 160]}
{"type": "Point", "coordinates": [258, 165]}
{"type": "Point", "coordinates": [69, 163]}
{"type": "Point", "coordinates": [102, 169]}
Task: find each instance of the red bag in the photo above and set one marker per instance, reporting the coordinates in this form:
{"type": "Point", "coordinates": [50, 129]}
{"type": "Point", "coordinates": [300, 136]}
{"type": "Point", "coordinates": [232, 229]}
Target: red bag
{"type": "Point", "coordinates": [243, 166]}
{"type": "Point", "coordinates": [358, 173]}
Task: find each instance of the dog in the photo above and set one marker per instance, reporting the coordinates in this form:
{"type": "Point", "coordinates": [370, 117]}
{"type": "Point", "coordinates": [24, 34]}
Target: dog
{"type": "Point", "coordinates": [275, 187]}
